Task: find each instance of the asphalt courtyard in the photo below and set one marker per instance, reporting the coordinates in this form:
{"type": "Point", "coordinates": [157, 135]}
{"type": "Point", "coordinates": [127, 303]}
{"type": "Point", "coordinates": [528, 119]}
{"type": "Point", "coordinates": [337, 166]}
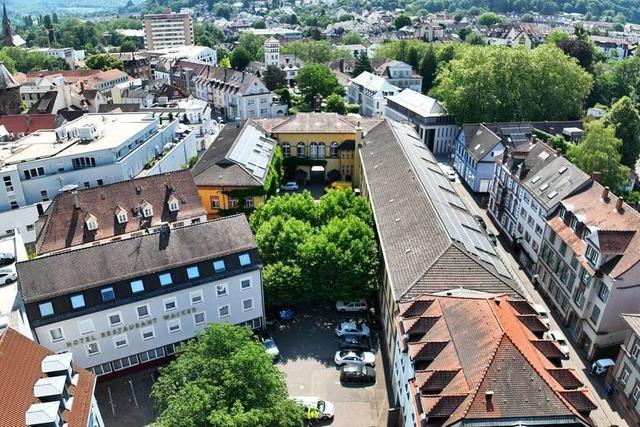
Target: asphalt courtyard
{"type": "Point", "coordinates": [307, 349]}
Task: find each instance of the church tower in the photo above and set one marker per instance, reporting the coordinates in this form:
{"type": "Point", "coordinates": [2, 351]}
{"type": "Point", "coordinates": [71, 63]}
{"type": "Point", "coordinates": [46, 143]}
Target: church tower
{"type": "Point", "coordinates": [271, 52]}
{"type": "Point", "coordinates": [6, 28]}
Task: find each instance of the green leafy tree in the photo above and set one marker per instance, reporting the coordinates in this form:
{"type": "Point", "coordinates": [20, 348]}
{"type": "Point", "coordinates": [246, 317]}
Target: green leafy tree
{"type": "Point", "coordinates": [224, 378]}
{"type": "Point", "coordinates": [225, 62]}
{"type": "Point", "coordinates": [489, 19]}
{"type": "Point", "coordinates": [207, 35]}
{"type": "Point", "coordinates": [599, 151]}
{"type": "Point", "coordinates": [260, 24]}
{"type": "Point", "coordinates": [491, 83]}
{"type": "Point", "coordinates": [340, 204]}
{"type": "Point", "coordinates": [624, 117]}
{"type": "Point", "coordinates": [240, 58]}
{"type": "Point", "coordinates": [428, 68]}
{"type": "Point", "coordinates": [319, 51]}
{"type": "Point", "coordinates": [556, 36]}
{"type": "Point", "coordinates": [103, 62]}
{"type": "Point", "coordinates": [253, 43]}
{"type": "Point", "coordinates": [402, 21]}
{"type": "Point", "coordinates": [474, 39]}
{"type": "Point", "coordinates": [280, 238]}
{"type": "Point", "coordinates": [341, 260]}
{"type": "Point", "coordinates": [300, 206]}
{"type": "Point", "coordinates": [284, 94]}
{"type": "Point", "coordinates": [412, 57]}
{"type": "Point", "coordinates": [128, 46]}
{"type": "Point", "coordinates": [274, 77]}
{"type": "Point", "coordinates": [335, 104]}
{"type": "Point", "coordinates": [317, 79]}
{"type": "Point", "coordinates": [362, 64]}
{"type": "Point", "coordinates": [352, 37]}
{"type": "Point", "coordinates": [625, 78]}
{"type": "Point", "coordinates": [283, 284]}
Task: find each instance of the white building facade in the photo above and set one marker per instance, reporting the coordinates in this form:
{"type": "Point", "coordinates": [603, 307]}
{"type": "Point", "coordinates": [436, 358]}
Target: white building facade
{"type": "Point", "coordinates": [370, 92]}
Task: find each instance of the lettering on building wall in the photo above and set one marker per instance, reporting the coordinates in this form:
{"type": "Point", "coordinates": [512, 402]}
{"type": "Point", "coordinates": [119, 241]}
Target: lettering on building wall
{"type": "Point", "coordinates": [130, 327]}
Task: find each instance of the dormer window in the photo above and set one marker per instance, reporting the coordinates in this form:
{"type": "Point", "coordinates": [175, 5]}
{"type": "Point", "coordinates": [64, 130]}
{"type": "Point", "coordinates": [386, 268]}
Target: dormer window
{"type": "Point", "coordinates": [173, 204]}
{"type": "Point", "coordinates": [147, 210]}
{"type": "Point", "coordinates": [91, 222]}
{"type": "Point", "coordinates": [563, 212]}
{"type": "Point", "coordinates": [592, 255]}
{"type": "Point", "coordinates": [121, 215]}
{"type": "Point", "coordinates": [574, 223]}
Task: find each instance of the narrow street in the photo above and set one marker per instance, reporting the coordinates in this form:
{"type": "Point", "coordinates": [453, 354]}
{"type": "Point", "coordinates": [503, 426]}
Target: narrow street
{"type": "Point", "coordinates": [606, 415]}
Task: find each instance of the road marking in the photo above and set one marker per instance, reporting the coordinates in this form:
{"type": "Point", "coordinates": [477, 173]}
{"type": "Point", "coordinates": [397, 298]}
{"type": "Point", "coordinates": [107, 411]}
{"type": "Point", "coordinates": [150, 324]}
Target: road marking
{"type": "Point", "coordinates": [113, 409]}
{"type": "Point", "coordinates": [133, 393]}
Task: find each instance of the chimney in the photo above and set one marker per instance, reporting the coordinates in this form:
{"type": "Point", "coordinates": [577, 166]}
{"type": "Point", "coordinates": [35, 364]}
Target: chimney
{"type": "Point", "coordinates": [40, 209]}
{"type": "Point", "coordinates": [596, 176]}
{"type": "Point", "coordinates": [605, 193]}
{"type": "Point", "coordinates": [619, 203]}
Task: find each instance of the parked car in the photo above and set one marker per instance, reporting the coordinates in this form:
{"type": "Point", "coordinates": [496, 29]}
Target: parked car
{"type": "Point", "coordinates": [352, 373]}
{"type": "Point", "coordinates": [6, 259]}
{"type": "Point", "coordinates": [542, 313]}
{"type": "Point", "coordinates": [451, 175]}
{"type": "Point", "coordinates": [289, 186]}
{"type": "Point", "coordinates": [601, 366]}
{"type": "Point", "coordinates": [343, 357]}
{"type": "Point", "coordinates": [324, 409]}
{"type": "Point", "coordinates": [8, 275]}
{"type": "Point", "coordinates": [271, 347]}
{"type": "Point", "coordinates": [355, 343]}
{"type": "Point", "coordinates": [480, 221]}
{"type": "Point", "coordinates": [352, 328]}
{"type": "Point", "coordinates": [559, 338]}
{"type": "Point", "coordinates": [343, 306]}
{"type": "Point", "coordinates": [492, 237]}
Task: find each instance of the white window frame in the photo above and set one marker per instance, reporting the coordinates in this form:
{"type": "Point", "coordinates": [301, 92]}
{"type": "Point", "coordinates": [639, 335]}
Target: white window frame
{"type": "Point", "coordinates": [204, 318]}
{"type": "Point", "coordinates": [167, 273]}
{"type": "Point", "coordinates": [147, 329]}
{"type": "Point", "coordinates": [86, 321]}
{"type": "Point", "coordinates": [197, 270]}
{"type": "Point", "coordinates": [226, 290]}
{"type": "Point", "coordinates": [86, 348]}
{"type": "Point", "coordinates": [624, 375]}
{"type": "Point", "coordinates": [119, 314]}
{"type": "Point", "coordinates": [194, 293]}
{"type": "Point", "coordinates": [169, 300]}
{"type": "Point", "coordinates": [119, 337]}
{"type": "Point", "coordinates": [173, 322]}
{"type": "Point", "coordinates": [61, 334]}
{"type": "Point", "coordinates": [252, 304]}
{"type": "Point", "coordinates": [228, 311]}
{"type": "Point", "coordinates": [250, 284]}
{"type": "Point", "coordinates": [148, 311]}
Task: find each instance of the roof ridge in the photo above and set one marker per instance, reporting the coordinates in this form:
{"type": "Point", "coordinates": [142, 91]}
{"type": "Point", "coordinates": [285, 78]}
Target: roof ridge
{"type": "Point", "coordinates": [149, 231]}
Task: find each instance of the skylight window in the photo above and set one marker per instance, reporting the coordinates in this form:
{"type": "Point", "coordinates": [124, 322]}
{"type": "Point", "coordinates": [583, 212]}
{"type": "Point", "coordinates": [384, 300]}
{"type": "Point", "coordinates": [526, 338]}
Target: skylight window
{"type": "Point", "coordinates": [552, 194]}
{"type": "Point", "coordinates": [535, 179]}
{"type": "Point", "coordinates": [544, 186]}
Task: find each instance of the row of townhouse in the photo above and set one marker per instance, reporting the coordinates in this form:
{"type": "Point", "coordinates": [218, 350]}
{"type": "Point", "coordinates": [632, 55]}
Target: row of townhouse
{"type": "Point", "coordinates": [439, 275]}
{"type": "Point", "coordinates": [232, 95]}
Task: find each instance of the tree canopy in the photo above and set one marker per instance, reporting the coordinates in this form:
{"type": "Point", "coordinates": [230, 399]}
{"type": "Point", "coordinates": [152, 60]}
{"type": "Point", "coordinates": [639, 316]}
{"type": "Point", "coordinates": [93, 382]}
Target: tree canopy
{"type": "Point", "coordinates": [319, 51]}
{"type": "Point", "coordinates": [240, 58]}
{"type": "Point", "coordinates": [402, 21]}
{"type": "Point", "coordinates": [624, 117]}
{"type": "Point", "coordinates": [17, 59]}
{"type": "Point", "coordinates": [489, 19]}
{"type": "Point", "coordinates": [316, 251]}
{"type": "Point", "coordinates": [492, 83]}
{"type": "Point", "coordinates": [362, 64]}
{"type": "Point", "coordinates": [317, 79]}
{"type": "Point", "coordinates": [274, 77]}
{"type": "Point", "coordinates": [103, 62]}
{"type": "Point", "coordinates": [599, 151]}
{"type": "Point", "coordinates": [224, 377]}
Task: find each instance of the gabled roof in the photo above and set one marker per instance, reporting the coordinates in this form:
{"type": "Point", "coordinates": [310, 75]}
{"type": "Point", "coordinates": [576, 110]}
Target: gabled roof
{"type": "Point", "coordinates": [316, 123]}
{"type": "Point", "coordinates": [480, 140]}
{"type": "Point", "coordinates": [490, 368]}
{"type": "Point", "coordinates": [618, 228]}
{"type": "Point", "coordinates": [371, 82]}
{"type": "Point", "coordinates": [27, 123]}
{"type": "Point", "coordinates": [633, 320]}
{"type": "Point", "coordinates": [20, 369]}
{"type": "Point", "coordinates": [429, 239]}
{"type": "Point", "coordinates": [423, 105]}
{"type": "Point", "coordinates": [6, 79]}
{"type": "Point", "coordinates": [233, 81]}
{"type": "Point", "coordinates": [238, 157]}
{"type": "Point", "coordinates": [62, 225]}
{"type": "Point", "coordinates": [60, 273]}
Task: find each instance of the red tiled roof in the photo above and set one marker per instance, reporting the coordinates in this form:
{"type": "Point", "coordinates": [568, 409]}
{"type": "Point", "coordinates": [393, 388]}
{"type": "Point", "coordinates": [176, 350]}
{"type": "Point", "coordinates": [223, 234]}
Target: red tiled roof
{"type": "Point", "coordinates": [63, 225]}
{"type": "Point", "coordinates": [480, 359]}
{"type": "Point", "coordinates": [618, 228]}
{"type": "Point", "coordinates": [27, 123]}
{"type": "Point", "coordinates": [20, 368]}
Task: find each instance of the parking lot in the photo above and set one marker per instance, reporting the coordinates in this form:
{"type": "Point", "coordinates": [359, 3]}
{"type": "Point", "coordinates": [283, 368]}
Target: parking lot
{"type": "Point", "coordinates": [307, 348]}
{"type": "Point", "coordinates": [126, 401]}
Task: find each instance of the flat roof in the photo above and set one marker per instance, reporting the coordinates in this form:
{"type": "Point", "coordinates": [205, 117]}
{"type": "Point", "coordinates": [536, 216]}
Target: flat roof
{"type": "Point", "coordinates": [112, 131]}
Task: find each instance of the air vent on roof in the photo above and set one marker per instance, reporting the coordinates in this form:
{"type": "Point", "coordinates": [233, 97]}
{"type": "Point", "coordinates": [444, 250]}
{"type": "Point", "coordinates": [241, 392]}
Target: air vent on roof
{"type": "Point", "coordinates": [535, 179]}
{"type": "Point", "coordinates": [562, 170]}
{"type": "Point", "coordinates": [544, 186]}
{"type": "Point", "coordinates": [552, 194]}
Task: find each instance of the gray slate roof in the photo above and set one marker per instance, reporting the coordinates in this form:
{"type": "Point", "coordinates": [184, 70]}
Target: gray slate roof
{"type": "Point", "coordinates": [86, 268]}
{"type": "Point", "coordinates": [633, 320]}
{"type": "Point", "coordinates": [429, 239]}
